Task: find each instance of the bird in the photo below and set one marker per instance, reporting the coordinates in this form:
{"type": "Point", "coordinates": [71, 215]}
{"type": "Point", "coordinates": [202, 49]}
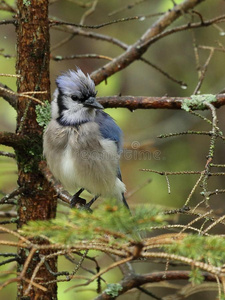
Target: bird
{"type": "Point", "coordinates": [82, 144]}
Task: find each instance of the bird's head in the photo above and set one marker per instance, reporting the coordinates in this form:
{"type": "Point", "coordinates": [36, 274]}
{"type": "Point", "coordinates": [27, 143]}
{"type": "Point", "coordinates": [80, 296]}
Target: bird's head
{"type": "Point", "coordinates": [75, 96]}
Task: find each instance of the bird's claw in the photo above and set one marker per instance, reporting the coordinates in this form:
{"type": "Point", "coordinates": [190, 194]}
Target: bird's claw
{"type": "Point", "coordinates": [77, 202]}
{"type": "Point", "coordinates": [86, 207]}
{"type": "Point", "coordinates": [81, 204]}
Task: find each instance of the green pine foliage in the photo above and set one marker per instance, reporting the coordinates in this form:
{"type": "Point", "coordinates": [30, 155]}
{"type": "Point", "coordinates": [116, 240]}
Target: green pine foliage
{"type": "Point", "coordinates": [122, 228]}
{"type": "Point", "coordinates": [111, 219]}
{"type": "Point", "coordinates": [196, 276]}
{"type": "Point", "coordinates": [208, 249]}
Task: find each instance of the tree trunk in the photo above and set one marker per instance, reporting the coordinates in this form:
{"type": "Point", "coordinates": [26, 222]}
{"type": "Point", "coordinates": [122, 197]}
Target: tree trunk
{"type": "Point", "coordinates": [37, 201]}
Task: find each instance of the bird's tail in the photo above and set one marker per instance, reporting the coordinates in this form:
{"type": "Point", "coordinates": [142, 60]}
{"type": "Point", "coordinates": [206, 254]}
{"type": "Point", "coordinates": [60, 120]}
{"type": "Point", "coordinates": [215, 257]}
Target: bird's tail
{"type": "Point", "coordinates": [125, 202]}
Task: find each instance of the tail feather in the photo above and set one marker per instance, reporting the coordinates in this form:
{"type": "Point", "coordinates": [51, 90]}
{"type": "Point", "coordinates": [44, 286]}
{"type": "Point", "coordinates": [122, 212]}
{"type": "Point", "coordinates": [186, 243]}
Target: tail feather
{"type": "Point", "coordinates": [125, 202]}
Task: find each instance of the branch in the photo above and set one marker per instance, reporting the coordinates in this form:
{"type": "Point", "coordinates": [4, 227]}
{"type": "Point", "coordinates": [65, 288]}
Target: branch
{"type": "Point", "coordinates": [80, 56]}
{"type": "Point", "coordinates": [129, 7]}
{"type": "Point", "coordinates": [135, 51]}
{"type": "Point", "coordinates": [8, 95]}
{"type": "Point", "coordinates": [60, 23]}
{"type": "Point", "coordinates": [12, 96]}
{"type": "Point", "coordinates": [97, 36]}
{"type": "Point", "coordinates": [109, 39]}
{"type": "Point", "coordinates": [142, 102]}
{"type": "Point", "coordinates": [5, 6]}
{"type": "Point", "coordinates": [7, 154]}
{"type": "Point", "coordinates": [12, 139]}
{"type": "Point", "coordinates": [135, 280]}
{"type": "Point", "coordinates": [8, 214]}
{"type": "Point", "coordinates": [13, 194]}
{"type": "Point", "coordinates": [89, 11]}
{"type": "Point", "coordinates": [6, 22]}
{"type": "Point", "coordinates": [185, 27]}
{"type": "Point", "coordinates": [92, 35]}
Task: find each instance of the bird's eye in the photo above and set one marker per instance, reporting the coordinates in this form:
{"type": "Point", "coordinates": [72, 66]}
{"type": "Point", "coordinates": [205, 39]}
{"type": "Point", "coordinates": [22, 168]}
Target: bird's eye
{"type": "Point", "coordinates": [74, 98]}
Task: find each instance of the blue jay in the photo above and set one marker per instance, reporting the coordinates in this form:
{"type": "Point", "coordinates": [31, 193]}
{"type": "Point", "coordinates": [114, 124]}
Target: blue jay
{"type": "Point", "coordinates": [82, 144]}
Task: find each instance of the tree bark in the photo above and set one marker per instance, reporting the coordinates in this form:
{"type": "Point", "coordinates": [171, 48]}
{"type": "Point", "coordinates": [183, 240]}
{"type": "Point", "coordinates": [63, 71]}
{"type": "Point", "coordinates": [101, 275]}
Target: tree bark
{"type": "Point", "coordinates": [38, 201]}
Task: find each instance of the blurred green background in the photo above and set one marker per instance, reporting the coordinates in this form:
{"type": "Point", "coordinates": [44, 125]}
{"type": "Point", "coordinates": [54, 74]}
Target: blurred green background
{"type": "Point", "coordinates": [173, 54]}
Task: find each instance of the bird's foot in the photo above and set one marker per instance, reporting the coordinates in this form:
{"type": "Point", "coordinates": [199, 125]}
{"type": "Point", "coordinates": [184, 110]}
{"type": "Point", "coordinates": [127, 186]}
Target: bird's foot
{"type": "Point", "coordinates": [77, 202]}
{"type": "Point", "coordinates": [87, 206]}
{"type": "Point", "coordinates": [81, 203]}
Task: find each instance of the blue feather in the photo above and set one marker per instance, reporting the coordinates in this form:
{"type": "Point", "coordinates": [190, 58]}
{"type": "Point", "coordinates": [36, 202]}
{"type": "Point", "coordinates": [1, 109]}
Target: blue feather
{"type": "Point", "coordinates": [109, 129]}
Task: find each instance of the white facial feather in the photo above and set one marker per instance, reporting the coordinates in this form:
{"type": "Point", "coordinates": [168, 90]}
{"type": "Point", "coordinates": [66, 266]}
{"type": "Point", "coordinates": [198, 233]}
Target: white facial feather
{"type": "Point", "coordinates": [73, 87]}
{"type": "Point", "coordinates": [54, 105]}
{"type": "Point", "coordinates": [73, 84]}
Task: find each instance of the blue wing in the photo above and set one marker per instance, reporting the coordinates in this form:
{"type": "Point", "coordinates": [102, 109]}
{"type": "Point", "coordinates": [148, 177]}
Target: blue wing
{"type": "Point", "coordinates": [109, 129]}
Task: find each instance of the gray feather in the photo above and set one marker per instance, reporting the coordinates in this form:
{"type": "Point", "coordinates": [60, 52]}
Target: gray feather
{"type": "Point", "coordinates": [82, 144]}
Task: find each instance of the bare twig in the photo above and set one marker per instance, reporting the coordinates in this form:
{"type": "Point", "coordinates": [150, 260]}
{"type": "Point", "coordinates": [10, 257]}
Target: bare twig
{"type": "Point", "coordinates": [173, 134]}
{"type": "Point", "coordinates": [88, 12]}
{"type": "Point", "coordinates": [194, 188]}
{"type": "Point", "coordinates": [195, 220]}
{"type": "Point", "coordinates": [112, 266]}
{"type": "Point", "coordinates": [7, 154]}
{"type": "Point", "coordinates": [197, 60]}
{"type": "Point", "coordinates": [15, 234]}
{"type": "Point", "coordinates": [187, 27]}
{"type": "Point", "coordinates": [13, 194]}
{"type": "Point", "coordinates": [31, 254]}
{"type": "Point", "coordinates": [8, 95]}
{"type": "Point", "coordinates": [26, 264]}
{"type": "Point", "coordinates": [12, 96]}
{"type": "Point", "coordinates": [129, 6]}
{"type": "Point", "coordinates": [91, 35]}
{"type": "Point", "coordinates": [157, 68]}
{"type": "Point", "coordinates": [219, 220]}
{"type": "Point", "coordinates": [8, 214]}
{"type": "Point", "coordinates": [7, 7]}
{"type": "Point", "coordinates": [203, 71]}
{"type": "Point", "coordinates": [79, 263]}
{"type": "Point", "coordinates": [80, 56]}
{"type": "Point", "coordinates": [211, 151]}
{"type": "Point", "coordinates": [6, 22]}
{"type": "Point", "coordinates": [62, 42]}
{"type": "Point", "coordinates": [171, 173]}
{"type": "Point", "coordinates": [138, 188]}
{"type": "Point", "coordinates": [7, 261]}
{"type": "Point", "coordinates": [12, 221]}
{"type": "Point", "coordinates": [60, 23]}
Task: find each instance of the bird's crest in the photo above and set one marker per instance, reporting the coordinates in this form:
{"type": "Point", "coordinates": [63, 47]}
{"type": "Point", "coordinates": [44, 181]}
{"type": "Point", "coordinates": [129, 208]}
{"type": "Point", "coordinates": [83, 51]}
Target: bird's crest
{"type": "Point", "coordinates": [76, 83]}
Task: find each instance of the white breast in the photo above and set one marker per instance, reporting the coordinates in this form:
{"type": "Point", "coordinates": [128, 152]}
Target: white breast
{"type": "Point", "coordinates": [85, 160]}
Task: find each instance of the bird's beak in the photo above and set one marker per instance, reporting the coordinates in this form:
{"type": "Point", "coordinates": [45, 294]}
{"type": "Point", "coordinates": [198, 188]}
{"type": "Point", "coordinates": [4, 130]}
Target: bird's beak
{"type": "Point", "coordinates": [92, 103]}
